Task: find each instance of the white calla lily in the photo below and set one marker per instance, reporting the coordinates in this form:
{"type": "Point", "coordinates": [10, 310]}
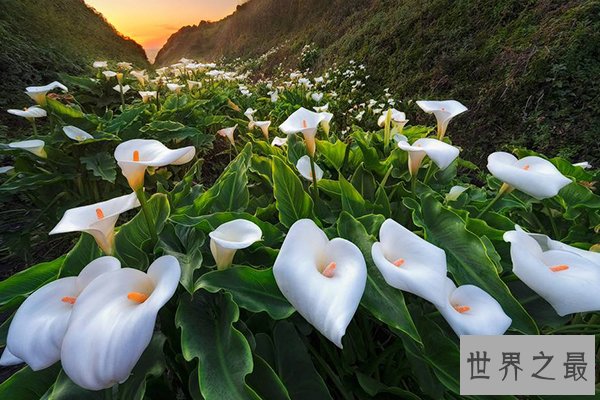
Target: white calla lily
{"type": "Point", "coordinates": [567, 277]}
{"type": "Point", "coordinates": [317, 97]}
{"type": "Point", "coordinates": [584, 165]}
{"type": "Point", "coordinates": [532, 175]}
{"type": "Point", "coordinates": [37, 330]}
{"type": "Point", "coordinates": [321, 109]}
{"type": "Point", "coordinates": [125, 66]}
{"type": "Point", "coordinates": [175, 87]}
{"type": "Point", "coordinates": [228, 133]}
{"type": "Point", "coordinates": [38, 93]}
{"type": "Point", "coordinates": [441, 153]}
{"type": "Point", "coordinates": [112, 323]}
{"type": "Point", "coordinates": [193, 84]}
{"type": "Point", "coordinates": [303, 166]}
{"type": "Point", "coordinates": [230, 237]}
{"type": "Point", "coordinates": [140, 76]}
{"type": "Point", "coordinates": [148, 96]}
{"type": "Point", "coordinates": [326, 121]}
{"type": "Point", "coordinates": [398, 118]}
{"type": "Point", "coordinates": [97, 219]}
{"type": "Point", "coordinates": [279, 141]}
{"type": "Point", "coordinates": [444, 111]}
{"type": "Point", "coordinates": [306, 122]}
{"type": "Point", "coordinates": [264, 127]}
{"type": "Point", "coordinates": [122, 89]}
{"type": "Point", "coordinates": [135, 156]}
{"type": "Point", "coordinates": [29, 113]}
{"type": "Point", "coordinates": [76, 134]}
{"type": "Point", "coordinates": [249, 113]}
{"type": "Point", "coordinates": [410, 263]}
{"type": "Point", "coordinates": [455, 192]}
{"type": "Point", "coordinates": [472, 311]}
{"type": "Point", "coordinates": [34, 146]}
{"type": "Point", "coordinates": [100, 64]}
{"type": "Point", "coordinates": [323, 279]}
{"type": "Point", "coordinates": [109, 74]}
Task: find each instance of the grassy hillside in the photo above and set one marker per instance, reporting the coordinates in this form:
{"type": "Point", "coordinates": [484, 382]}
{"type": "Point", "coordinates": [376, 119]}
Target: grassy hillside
{"type": "Point", "coordinates": [527, 69]}
{"type": "Point", "coordinates": [43, 37]}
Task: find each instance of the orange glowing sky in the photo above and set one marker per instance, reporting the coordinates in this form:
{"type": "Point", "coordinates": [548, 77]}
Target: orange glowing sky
{"type": "Point", "coordinates": [151, 22]}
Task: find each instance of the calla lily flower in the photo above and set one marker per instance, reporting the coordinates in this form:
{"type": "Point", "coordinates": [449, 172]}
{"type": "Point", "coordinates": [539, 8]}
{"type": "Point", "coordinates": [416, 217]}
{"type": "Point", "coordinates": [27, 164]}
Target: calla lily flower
{"type": "Point", "coordinates": [38, 93]}
{"type": "Point", "coordinates": [122, 89]}
{"type": "Point", "coordinates": [317, 97]}
{"type": "Point", "coordinates": [532, 175]}
{"type": "Point", "coordinates": [97, 219]}
{"type": "Point", "coordinates": [109, 74]}
{"type": "Point", "coordinates": [175, 87]}
{"type": "Point", "coordinates": [230, 237]}
{"type": "Point", "coordinates": [303, 166]}
{"type": "Point", "coordinates": [228, 133]}
{"type": "Point", "coordinates": [35, 146]}
{"type": "Point", "coordinates": [584, 165]}
{"type": "Point", "coordinates": [76, 134]}
{"type": "Point", "coordinates": [126, 66]}
{"type": "Point", "coordinates": [100, 64]}
{"type": "Point", "coordinates": [455, 192]}
{"type": "Point", "coordinates": [323, 279]}
{"type": "Point", "coordinates": [249, 113]}
{"type": "Point", "coordinates": [444, 111]}
{"type": "Point", "coordinates": [472, 311]}
{"type": "Point", "coordinates": [112, 323]}
{"type": "Point", "coordinates": [305, 122]}
{"type": "Point", "coordinates": [135, 156]}
{"type": "Point", "coordinates": [398, 119]}
{"type": "Point", "coordinates": [279, 141]}
{"type": "Point", "coordinates": [326, 121]}
{"type": "Point", "coordinates": [29, 113]}
{"type": "Point", "coordinates": [37, 330]}
{"type": "Point", "coordinates": [148, 96]}
{"type": "Point", "coordinates": [410, 263]}
{"type": "Point", "coordinates": [194, 84]}
{"type": "Point", "coordinates": [264, 127]}
{"type": "Point", "coordinates": [321, 109]}
{"type": "Point", "coordinates": [441, 153]}
{"type": "Point", "coordinates": [140, 76]}
{"type": "Point", "coordinates": [567, 277]}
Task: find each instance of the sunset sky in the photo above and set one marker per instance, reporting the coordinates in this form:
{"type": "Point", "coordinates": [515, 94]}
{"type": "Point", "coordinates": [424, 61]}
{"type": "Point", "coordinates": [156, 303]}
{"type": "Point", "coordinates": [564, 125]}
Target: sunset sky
{"type": "Point", "coordinates": [151, 22]}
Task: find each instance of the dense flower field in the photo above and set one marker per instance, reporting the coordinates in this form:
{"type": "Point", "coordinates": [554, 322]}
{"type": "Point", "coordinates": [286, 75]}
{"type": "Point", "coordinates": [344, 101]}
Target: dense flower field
{"type": "Point", "coordinates": [288, 238]}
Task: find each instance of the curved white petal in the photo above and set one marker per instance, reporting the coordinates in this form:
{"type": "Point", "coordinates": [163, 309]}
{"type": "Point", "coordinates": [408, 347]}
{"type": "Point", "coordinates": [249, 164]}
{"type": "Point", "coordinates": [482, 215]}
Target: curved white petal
{"type": "Point", "coordinates": [108, 332]}
{"type": "Point", "coordinates": [100, 64]}
{"type": "Point", "coordinates": [264, 127]}
{"type": "Point", "coordinates": [31, 112]}
{"type": "Point", "coordinates": [455, 192]}
{"type": "Point", "coordinates": [33, 146]}
{"type": "Point", "coordinates": [228, 133]}
{"type": "Point", "coordinates": [230, 237]}
{"type": "Point", "coordinates": [47, 88]}
{"type": "Point", "coordinates": [109, 74]}
{"type": "Point", "coordinates": [6, 169]}
{"type": "Point", "coordinates": [444, 111]}
{"type": "Point", "coordinates": [36, 332]}
{"type": "Point", "coordinates": [472, 311]}
{"type": "Point", "coordinates": [421, 267]}
{"type": "Point", "coordinates": [303, 166]}
{"type": "Point", "coordinates": [76, 134]}
{"type": "Point", "coordinates": [567, 279]}
{"type": "Point", "coordinates": [441, 153]}
{"type": "Point", "coordinates": [532, 175]}
{"type": "Point", "coordinates": [279, 141]}
{"type": "Point", "coordinates": [147, 96]}
{"type": "Point", "coordinates": [317, 97]}
{"type": "Point", "coordinates": [134, 156]}
{"type": "Point", "coordinates": [9, 359]}
{"type": "Point", "coordinates": [302, 120]}
{"type": "Point", "coordinates": [584, 165]}
{"type": "Point", "coordinates": [249, 113]}
{"type": "Point", "coordinates": [328, 303]}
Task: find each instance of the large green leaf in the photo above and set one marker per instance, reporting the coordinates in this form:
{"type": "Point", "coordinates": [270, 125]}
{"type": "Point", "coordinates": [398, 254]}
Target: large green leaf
{"type": "Point", "coordinates": [22, 283]}
{"type": "Point", "coordinates": [468, 259]}
{"type": "Point", "coordinates": [292, 201]}
{"type": "Point", "coordinates": [133, 241]}
{"type": "Point", "coordinates": [352, 201]}
{"type": "Point", "coordinates": [208, 334]}
{"type": "Point", "coordinates": [252, 289]}
{"type": "Point", "coordinates": [383, 301]}
{"type": "Point", "coordinates": [333, 152]}
{"type": "Point", "coordinates": [85, 251]}
{"type": "Point", "coordinates": [29, 385]}
{"type": "Point", "coordinates": [65, 389]}
{"type": "Point", "coordinates": [265, 381]}
{"type": "Point", "coordinates": [102, 165]}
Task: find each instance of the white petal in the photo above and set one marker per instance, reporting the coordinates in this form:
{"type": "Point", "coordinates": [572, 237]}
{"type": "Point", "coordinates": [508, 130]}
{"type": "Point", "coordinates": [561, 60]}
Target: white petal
{"type": "Point", "coordinates": [531, 175]}
{"type": "Point", "coordinates": [9, 359]}
{"type": "Point", "coordinates": [484, 317]}
{"type": "Point", "coordinates": [327, 303]}
{"type": "Point", "coordinates": [31, 112]}
{"type": "Point", "coordinates": [76, 134]}
{"type": "Point", "coordinates": [303, 166]}
{"type": "Point", "coordinates": [441, 153]}
{"type": "Point", "coordinates": [444, 111]}
{"type": "Point", "coordinates": [455, 192]}
{"type": "Point", "coordinates": [47, 88]}
{"type": "Point", "coordinates": [108, 332]}
{"type": "Point", "coordinates": [33, 146]}
{"type": "Point", "coordinates": [237, 234]}
{"type": "Point", "coordinates": [568, 291]}
{"type": "Point", "coordinates": [423, 269]}
{"type": "Point", "coordinates": [584, 165]}
{"type": "Point", "coordinates": [302, 120]}
{"type": "Point", "coordinates": [278, 141]}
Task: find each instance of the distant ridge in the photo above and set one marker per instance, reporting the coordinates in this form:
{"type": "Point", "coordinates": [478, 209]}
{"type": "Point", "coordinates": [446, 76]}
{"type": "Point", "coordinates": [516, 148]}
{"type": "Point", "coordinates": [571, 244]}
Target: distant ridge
{"type": "Point", "coordinates": [528, 70]}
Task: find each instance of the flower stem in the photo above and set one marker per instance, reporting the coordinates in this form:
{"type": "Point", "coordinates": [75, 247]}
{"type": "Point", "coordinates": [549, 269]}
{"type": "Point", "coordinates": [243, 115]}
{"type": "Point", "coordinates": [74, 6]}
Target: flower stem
{"type": "Point", "coordinates": [314, 180]}
{"type": "Point", "coordinates": [147, 215]}
{"type": "Point", "coordinates": [552, 222]}
{"type": "Point", "coordinates": [386, 176]}
{"type": "Point", "coordinates": [121, 93]}
{"type": "Point", "coordinates": [429, 173]}
{"type": "Point", "coordinates": [35, 131]}
{"type": "Point", "coordinates": [413, 185]}
{"type": "Point", "coordinates": [500, 194]}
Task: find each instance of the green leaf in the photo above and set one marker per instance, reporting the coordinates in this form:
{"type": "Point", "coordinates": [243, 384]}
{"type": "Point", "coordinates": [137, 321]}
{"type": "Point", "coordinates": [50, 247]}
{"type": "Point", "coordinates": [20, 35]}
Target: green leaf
{"type": "Point", "coordinates": [151, 365]}
{"type": "Point", "coordinates": [468, 259]}
{"type": "Point", "coordinates": [292, 201]}
{"type": "Point", "coordinates": [364, 182]}
{"type": "Point", "coordinates": [29, 385]}
{"type": "Point", "coordinates": [85, 251]}
{"type": "Point", "coordinates": [133, 241]}
{"type": "Point", "coordinates": [208, 334]}
{"type": "Point", "coordinates": [252, 289]}
{"type": "Point", "coordinates": [383, 301]}
{"type": "Point", "coordinates": [63, 110]}
{"type": "Point", "coordinates": [333, 152]}
{"type": "Point", "coordinates": [102, 165]}
{"type": "Point", "coordinates": [265, 381]}
{"type": "Point", "coordinates": [27, 281]}
{"type": "Point", "coordinates": [352, 201]}
{"type": "Point", "coordinates": [65, 389]}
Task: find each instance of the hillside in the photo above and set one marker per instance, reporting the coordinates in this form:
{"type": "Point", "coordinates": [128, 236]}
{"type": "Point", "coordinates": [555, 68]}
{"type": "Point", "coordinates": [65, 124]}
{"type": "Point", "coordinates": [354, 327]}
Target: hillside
{"type": "Point", "coordinates": [43, 37]}
{"type": "Point", "coordinates": [527, 69]}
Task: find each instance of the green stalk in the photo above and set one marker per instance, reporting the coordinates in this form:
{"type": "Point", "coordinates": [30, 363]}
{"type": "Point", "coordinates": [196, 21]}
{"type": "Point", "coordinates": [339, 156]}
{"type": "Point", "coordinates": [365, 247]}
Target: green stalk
{"type": "Point", "coordinates": [146, 211]}
{"type": "Point", "coordinates": [314, 180]}
{"type": "Point", "coordinates": [387, 133]}
{"type": "Point", "coordinates": [553, 223]}
{"type": "Point", "coordinates": [121, 93]}
{"type": "Point", "coordinates": [35, 131]}
{"type": "Point", "coordinates": [413, 185]}
{"type": "Point", "coordinates": [386, 176]}
{"type": "Point", "coordinates": [429, 173]}
{"type": "Point", "coordinates": [500, 194]}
